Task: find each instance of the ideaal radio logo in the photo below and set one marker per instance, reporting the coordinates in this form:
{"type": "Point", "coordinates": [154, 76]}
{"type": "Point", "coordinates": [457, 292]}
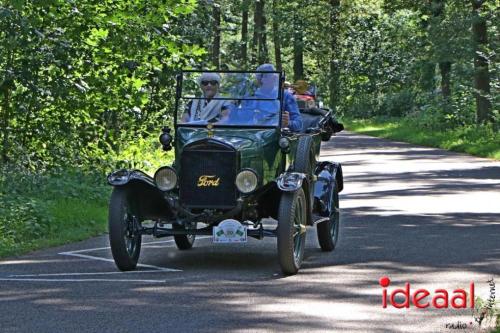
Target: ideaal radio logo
{"type": "Point", "coordinates": [442, 299]}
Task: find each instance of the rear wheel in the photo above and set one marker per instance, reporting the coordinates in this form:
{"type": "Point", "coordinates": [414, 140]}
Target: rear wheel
{"type": "Point", "coordinates": [328, 231]}
{"type": "Point", "coordinates": [183, 242]}
{"type": "Point", "coordinates": [124, 231]}
{"type": "Point", "coordinates": [291, 231]}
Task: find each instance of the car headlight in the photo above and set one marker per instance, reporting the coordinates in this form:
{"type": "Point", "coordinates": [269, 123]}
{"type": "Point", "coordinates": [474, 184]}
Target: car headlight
{"type": "Point", "coordinates": [166, 178]}
{"type": "Point", "coordinates": [246, 181]}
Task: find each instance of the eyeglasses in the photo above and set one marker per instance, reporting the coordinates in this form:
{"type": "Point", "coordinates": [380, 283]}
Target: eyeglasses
{"type": "Point", "coordinates": [206, 83]}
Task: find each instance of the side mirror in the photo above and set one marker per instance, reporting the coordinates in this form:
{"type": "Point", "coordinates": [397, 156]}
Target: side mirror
{"type": "Point", "coordinates": [166, 139]}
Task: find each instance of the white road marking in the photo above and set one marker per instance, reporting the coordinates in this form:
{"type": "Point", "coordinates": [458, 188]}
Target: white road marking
{"type": "Point", "coordinates": [82, 280]}
{"type": "Point", "coordinates": [31, 261]}
{"type": "Point", "coordinates": [86, 273]}
{"type": "Point", "coordinates": [85, 256]}
{"type": "Point", "coordinates": [143, 244]}
{"type": "Point", "coordinates": [79, 254]}
{"type": "Point", "coordinates": [171, 240]}
{"type": "Point", "coordinates": [87, 250]}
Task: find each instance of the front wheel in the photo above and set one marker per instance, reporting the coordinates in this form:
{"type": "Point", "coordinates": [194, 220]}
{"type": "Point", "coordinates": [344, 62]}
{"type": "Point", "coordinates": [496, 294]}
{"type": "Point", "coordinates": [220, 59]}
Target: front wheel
{"type": "Point", "coordinates": [291, 231]}
{"type": "Point", "coordinates": [124, 231]}
{"type": "Point", "coordinates": [328, 231]}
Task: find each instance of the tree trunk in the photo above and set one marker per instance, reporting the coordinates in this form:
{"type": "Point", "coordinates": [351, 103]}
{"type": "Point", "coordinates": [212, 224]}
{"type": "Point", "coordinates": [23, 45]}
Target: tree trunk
{"type": "Point", "coordinates": [257, 26]}
{"type": "Point", "coordinates": [263, 53]}
{"type": "Point", "coordinates": [216, 32]}
{"type": "Point", "coordinates": [5, 88]}
{"type": "Point", "coordinates": [427, 67]}
{"type": "Point", "coordinates": [298, 48]}
{"type": "Point", "coordinates": [481, 67]}
{"type": "Point", "coordinates": [438, 12]}
{"type": "Point", "coordinates": [276, 37]}
{"type": "Point", "coordinates": [244, 34]}
{"type": "Point", "coordinates": [426, 77]}
{"type": "Point", "coordinates": [445, 69]}
{"type": "Point", "coordinates": [334, 83]}
{"type": "Point", "coordinates": [5, 124]}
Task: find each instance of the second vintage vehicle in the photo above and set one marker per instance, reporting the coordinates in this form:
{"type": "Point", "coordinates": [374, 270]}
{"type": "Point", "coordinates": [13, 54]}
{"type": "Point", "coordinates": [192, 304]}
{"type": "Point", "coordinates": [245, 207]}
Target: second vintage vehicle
{"type": "Point", "coordinates": [232, 174]}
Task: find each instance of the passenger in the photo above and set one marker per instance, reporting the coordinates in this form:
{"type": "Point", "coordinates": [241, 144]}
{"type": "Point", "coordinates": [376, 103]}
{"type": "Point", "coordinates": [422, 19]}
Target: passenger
{"type": "Point", "coordinates": [266, 111]}
{"type": "Point", "coordinates": [207, 109]}
{"type": "Point", "coordinates": [302, 88]}
{"type": "Point", "coordinates": [288, 87]}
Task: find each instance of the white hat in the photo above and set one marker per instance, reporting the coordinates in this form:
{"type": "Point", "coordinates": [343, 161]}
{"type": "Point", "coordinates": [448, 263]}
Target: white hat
{"type": "Point", "coordinates": [264, 68]}
{"type": "Point", "coordinates": [209, 77]}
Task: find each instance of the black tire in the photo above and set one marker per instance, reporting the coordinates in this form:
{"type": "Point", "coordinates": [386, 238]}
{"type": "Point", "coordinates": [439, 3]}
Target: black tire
{"type": "Point", "coordinates": [305, 162]}
{"type": "Point", "coordinates": [328, 231]}
{"type": "Point", "coordinates": [124, 234]}
{"type": "Point", "coordinates": [183, 242]}
{"type": "Point", "coordinates": [291, 231]}
{"type": "Point", "coordinates": [304, 157]}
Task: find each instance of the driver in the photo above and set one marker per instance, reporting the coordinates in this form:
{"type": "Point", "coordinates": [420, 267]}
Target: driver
{"type": "Point", "coordinates": [266, 111]}
{"type": "Point", "coordinates": [207, 109]}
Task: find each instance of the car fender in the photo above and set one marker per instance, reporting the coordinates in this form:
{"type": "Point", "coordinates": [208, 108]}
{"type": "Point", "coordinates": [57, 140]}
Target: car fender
{"type": "Point", "coordinates": [149, 201]}
{"type": "Point", "coordinates": [326, 174]}
{"type": "Point", "coordinates": [290, 181]}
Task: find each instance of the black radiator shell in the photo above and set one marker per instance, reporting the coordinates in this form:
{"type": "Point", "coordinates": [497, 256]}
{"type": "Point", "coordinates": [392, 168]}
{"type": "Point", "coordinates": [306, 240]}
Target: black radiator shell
{"type": "Point", "coordinates": [208, 158]}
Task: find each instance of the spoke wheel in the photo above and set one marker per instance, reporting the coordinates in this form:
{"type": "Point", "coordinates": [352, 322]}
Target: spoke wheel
{"type": "Point", "coordinates": [183, 242]}
{"type": "Point", "coordinates": [328, 231]}
{"type": "Point", "coordinates": [291, 231]}
{"type": "Point", "coordinates": [124, 231]}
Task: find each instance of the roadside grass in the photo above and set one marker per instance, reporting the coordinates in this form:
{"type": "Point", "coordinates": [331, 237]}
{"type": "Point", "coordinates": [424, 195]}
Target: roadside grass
{"type": "Point", "coordinates": [481, 141]}
{"type": "Point", "coordinates": [40, 209]}
{"type": "Point", "coordinates": [73, 220]}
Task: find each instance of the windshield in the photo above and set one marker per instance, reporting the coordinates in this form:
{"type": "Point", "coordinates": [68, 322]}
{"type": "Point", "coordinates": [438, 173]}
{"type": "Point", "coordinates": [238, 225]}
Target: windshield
{"type": "Point", "coordinates": [229, 98]}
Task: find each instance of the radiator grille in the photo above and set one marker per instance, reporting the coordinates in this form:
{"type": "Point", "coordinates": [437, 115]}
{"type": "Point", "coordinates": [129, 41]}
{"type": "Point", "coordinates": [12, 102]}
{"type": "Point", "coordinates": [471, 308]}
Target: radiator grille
{"type": "Point", "coordinates": [208, 173]}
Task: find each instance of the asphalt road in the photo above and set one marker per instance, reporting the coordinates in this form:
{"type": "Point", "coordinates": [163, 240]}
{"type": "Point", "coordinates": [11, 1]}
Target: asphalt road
{"type": "Point", "coordinates": [418, 215]}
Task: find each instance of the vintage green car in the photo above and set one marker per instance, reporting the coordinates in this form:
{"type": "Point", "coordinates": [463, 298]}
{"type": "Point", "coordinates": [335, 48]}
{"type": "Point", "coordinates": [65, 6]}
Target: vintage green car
{"type": "Point", "coordinates": [230, 174]}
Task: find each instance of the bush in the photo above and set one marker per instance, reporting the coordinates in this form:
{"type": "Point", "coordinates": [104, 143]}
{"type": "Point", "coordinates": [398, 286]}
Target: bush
{"type": "Point", "coordinates": [359, 106]}
{"type": "Point", "coordinates": [42, 204]}
{"type": "Point", "coordinates": [396, 104]}
{"type": "Point", "coordinates": [29, 201]}
{"type": "Point", "coordinates": [21, 218]}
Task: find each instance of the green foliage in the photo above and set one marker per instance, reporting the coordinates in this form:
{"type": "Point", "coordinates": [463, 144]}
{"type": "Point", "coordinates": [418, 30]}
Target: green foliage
{"type": "Point", "coordinates": [489, 312]}
{"type": "Point", "coordinates": [79, 79]}
{"type": "Point", "coordinates": [396, 104]}
{"type": "Point", "coordinates": [51, 207]}
{"type": "Point", "coordinates": [31, 206]}
{"type": "Point", "coordinates": [144, 154]}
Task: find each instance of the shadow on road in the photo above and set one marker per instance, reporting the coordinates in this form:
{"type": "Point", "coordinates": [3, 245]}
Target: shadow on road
{"type": "Point", "coordinates": [407, 211]}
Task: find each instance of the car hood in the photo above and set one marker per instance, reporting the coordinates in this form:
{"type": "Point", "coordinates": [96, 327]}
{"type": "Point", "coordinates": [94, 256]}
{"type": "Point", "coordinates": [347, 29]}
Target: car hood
{"type": "Point", "coordinates": [239, 139]}
{"type": "Point", "coordinates": [258, 148]}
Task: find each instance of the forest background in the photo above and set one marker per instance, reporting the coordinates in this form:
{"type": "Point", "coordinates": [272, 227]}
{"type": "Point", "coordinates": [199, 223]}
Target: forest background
{"type": "Point", "coordinates": [85, 86]}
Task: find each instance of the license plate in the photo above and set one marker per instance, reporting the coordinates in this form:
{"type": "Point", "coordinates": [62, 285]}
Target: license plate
{"type": "Point", "coordinates": [229, 231]}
